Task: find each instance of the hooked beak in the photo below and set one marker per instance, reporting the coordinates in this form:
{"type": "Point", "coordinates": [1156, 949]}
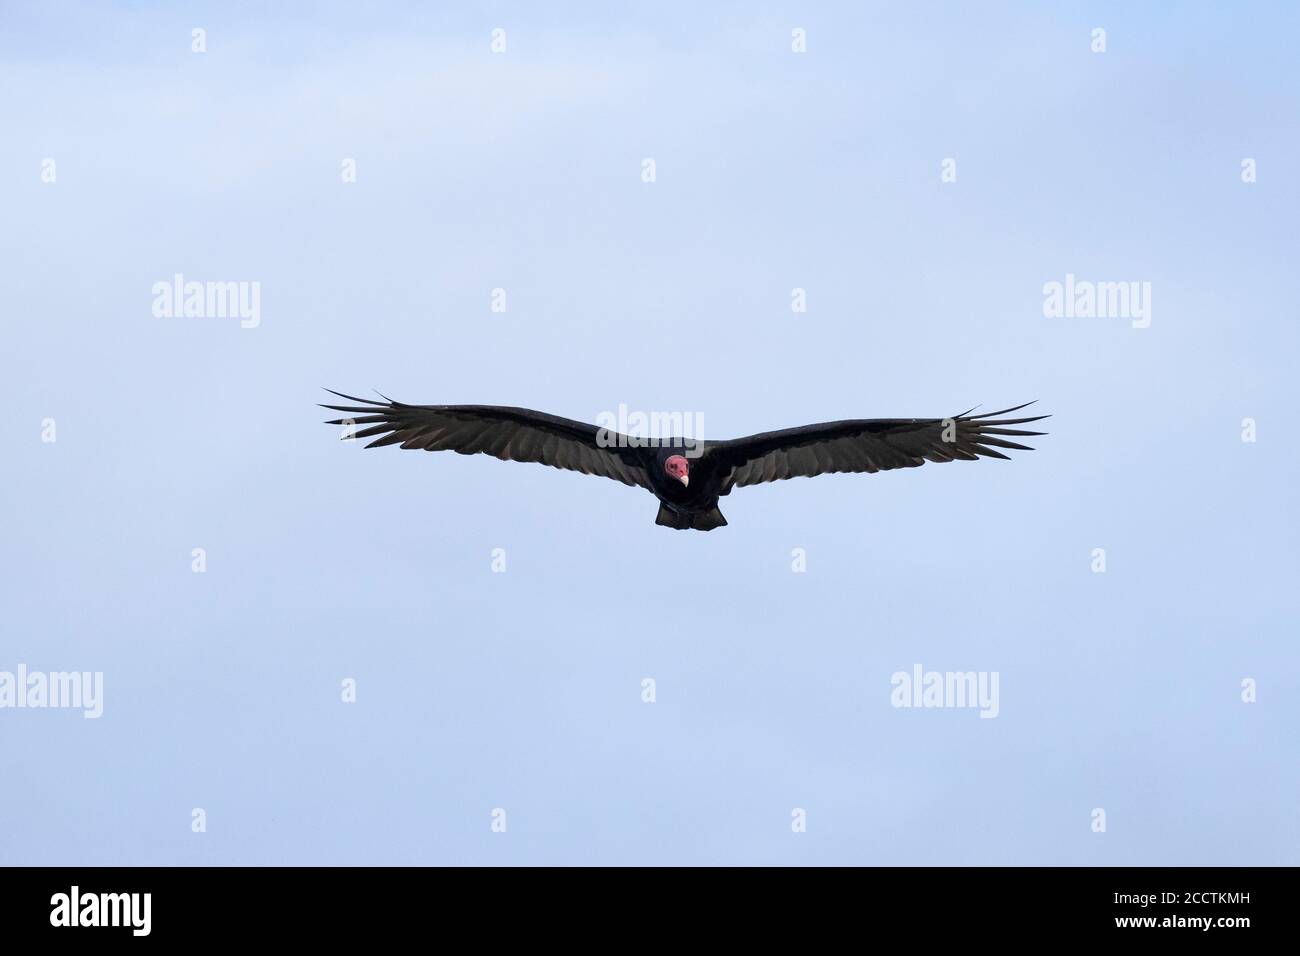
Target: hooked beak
{"type": "Point", "coordinates": [685, 480]}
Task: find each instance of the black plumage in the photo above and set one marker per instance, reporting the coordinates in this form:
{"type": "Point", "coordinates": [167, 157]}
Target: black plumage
{"type": "Point", "coordinates": [687, 477]}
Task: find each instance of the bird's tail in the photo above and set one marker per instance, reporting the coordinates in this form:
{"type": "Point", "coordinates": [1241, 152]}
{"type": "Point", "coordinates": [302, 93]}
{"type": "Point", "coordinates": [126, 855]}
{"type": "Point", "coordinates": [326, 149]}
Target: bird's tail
{"type": "Point", "coordinates": [699, 521]}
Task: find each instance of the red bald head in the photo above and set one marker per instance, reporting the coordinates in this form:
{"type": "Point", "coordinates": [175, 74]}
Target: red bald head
{"type": "Point", "coordinates": [678, 467]}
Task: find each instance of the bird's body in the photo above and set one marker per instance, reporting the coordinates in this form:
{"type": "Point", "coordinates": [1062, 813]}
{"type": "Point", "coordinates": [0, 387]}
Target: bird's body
{"type": "Point", "coordinates": [688, 476]}
{"type": "Point", "coordinates": [693, 505]}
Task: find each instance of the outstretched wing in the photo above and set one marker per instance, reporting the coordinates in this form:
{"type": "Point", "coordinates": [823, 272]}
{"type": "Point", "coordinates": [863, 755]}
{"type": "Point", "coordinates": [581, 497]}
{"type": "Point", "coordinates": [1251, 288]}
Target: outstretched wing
{"type": "Point", "coordinates": [869, 444]}
{"type": "Point", "coordinates": [511, 434]}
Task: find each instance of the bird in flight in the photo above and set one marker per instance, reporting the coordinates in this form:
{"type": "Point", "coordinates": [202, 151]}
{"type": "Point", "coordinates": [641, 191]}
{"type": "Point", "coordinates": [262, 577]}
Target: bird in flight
{"type": "Point", "coordinates": [688, 476]}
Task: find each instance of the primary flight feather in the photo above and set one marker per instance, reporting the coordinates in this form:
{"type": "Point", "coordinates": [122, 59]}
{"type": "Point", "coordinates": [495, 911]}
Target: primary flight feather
{"type": "Point", "coordinates": [687, 476]}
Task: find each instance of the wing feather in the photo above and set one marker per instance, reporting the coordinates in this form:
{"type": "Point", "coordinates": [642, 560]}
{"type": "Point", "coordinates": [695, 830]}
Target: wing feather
{"type": "Point", "coordinates": [867, 445]}
{"type": "Point", "coordinates": [510, 434]}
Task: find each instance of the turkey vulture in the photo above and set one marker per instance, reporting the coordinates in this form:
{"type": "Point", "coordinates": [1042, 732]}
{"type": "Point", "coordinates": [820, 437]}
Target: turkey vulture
{"type": "Point", "coordinates": [687, 476]}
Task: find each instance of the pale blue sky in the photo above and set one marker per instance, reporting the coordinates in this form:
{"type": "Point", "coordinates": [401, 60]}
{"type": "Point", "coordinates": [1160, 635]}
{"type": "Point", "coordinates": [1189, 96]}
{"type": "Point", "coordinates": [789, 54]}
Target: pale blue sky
{"type": "Point", "coordinates": [522, 690]}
